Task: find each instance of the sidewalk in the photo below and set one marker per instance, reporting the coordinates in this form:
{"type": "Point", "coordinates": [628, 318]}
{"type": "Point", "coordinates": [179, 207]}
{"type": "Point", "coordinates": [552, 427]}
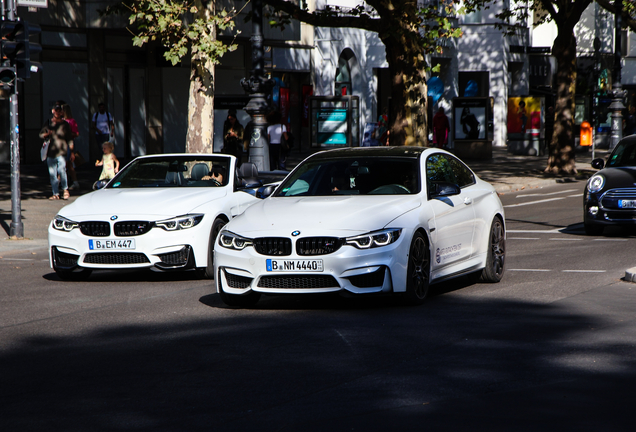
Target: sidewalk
{"type": "Point", "coordinates": [505, 171]}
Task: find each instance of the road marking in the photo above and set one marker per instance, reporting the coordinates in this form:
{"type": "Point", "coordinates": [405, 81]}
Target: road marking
{"type": "Point", "coordinates": [545, 194]}
{"type": "Point", "coordinates": [566, 239]}
{"type": "Point", "coordinates": [552, 231]}
{"type": "Point", "coordinates": [530, 270]}
{"type": "Point", "coordinates": [584, 271]}
{"type": "Point", "coordinates": [535, 202]}
{"type": "Point", "coordinates": [575, 196]}
{"type": "Point", "coordinates": [603, 239]}
{"type": "Point", "coordinates": [17, 259]}
{"type": "Point", "coordinates": [523, 238]}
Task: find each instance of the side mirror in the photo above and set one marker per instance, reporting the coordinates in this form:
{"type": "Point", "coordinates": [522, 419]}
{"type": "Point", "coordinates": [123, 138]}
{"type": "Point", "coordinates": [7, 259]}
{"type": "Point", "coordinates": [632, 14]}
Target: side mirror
{"type": "Point", "coordinates": [99, 184]}
{"type": "Point", "coordinates": [598, 163]}
{"type": "Point", "coordinates": [443, 189]}
{"type": "Point", "coordinates": [265, 191]}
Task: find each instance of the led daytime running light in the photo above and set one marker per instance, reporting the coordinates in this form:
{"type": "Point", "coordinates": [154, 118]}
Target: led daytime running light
{"type": "Point", "coordinates": [62, 224]}
{"type": "Point", "coordinates": [180, 222]}
{"type": "Point", "coordinates": [229, 240]}
{"type": "Point", "coordinates": [596, 183]}
{"type": "Point", "coordinates": [374, 239]}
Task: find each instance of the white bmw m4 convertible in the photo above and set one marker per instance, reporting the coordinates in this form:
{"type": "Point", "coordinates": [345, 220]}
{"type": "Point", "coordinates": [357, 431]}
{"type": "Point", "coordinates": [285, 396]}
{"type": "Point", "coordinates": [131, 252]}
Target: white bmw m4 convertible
{"type": "Point", "coordinates": [162, 212]}
{"type": "Point", "coordinates": [379, 220]}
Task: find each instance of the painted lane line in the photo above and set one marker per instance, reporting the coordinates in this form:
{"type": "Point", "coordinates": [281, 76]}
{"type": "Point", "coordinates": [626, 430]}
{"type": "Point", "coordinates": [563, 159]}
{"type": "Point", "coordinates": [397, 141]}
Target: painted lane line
{"type": "Point", "coordinates": [534, 202]}
{"type": "Point", "coordinates": [575, 196]}
{"type": "Point", "coordinates": [611, 240]}
{"type": "Point", "coordinates": [529, 270]}
{"type": "Point", "coordinates": [552, 231]}
{"type": "Point", "coordinates": [584, 271]}
{"type": "Point", "coordinates": [566, 239]}
{"type": "Point", "coordinates": [17, 259]}
{"type": "Point", "coordinates": [545, 194]}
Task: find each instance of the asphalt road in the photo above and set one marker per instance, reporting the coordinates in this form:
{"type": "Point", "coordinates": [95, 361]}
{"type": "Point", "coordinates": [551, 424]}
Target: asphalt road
{"type": "Point", "coordinates": [551, 347]}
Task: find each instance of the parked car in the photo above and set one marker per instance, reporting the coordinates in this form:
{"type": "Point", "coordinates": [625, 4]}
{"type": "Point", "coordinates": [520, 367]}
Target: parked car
{"type": "Point", "coordinates": [610, 194]}
{"type": "Point", "coordinates": [162, 212]}
{"type": "Point", "coordinates": [364, 221]}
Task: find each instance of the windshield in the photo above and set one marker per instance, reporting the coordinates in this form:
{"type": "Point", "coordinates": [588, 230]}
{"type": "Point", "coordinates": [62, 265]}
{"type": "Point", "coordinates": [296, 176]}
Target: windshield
{"type": "Point", "coordinates": [174, 171]}
{"type": "Point", "coordinates": [623, 155]}
{"type": "Point", "coordinates": [353, 176]}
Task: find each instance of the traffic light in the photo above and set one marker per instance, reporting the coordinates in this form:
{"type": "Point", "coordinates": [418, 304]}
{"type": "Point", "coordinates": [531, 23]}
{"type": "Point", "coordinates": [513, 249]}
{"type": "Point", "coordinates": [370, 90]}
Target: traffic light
{"type": "Point", "coordinates": [16, 47]}
{"type": "Point", "coordinates": [7, 76]}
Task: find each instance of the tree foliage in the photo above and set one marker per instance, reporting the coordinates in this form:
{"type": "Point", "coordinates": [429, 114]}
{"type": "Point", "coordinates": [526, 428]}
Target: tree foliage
{"type": "Point", "coordinates": [409, 33]}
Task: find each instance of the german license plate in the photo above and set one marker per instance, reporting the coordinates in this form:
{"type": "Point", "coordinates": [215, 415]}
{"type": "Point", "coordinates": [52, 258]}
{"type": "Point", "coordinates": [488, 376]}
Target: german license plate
{"type": "Point", "coordinates": [119, 244]}
{"type": "Point", "coordinates": [294, 265]}
{"type": "Point", "coordinates": [627, 203]}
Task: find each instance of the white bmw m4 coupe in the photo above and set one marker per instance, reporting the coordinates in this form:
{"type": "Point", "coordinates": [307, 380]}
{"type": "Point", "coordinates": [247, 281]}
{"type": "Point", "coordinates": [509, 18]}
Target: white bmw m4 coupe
{"type": "Point", "coordinates": [379, 220]}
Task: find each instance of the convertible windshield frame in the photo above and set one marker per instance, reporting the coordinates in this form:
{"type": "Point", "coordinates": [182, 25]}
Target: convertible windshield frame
{"type": "Point", "coordinates": [354, 175]}
{"type": "Point", "coordinates": [173, 171]}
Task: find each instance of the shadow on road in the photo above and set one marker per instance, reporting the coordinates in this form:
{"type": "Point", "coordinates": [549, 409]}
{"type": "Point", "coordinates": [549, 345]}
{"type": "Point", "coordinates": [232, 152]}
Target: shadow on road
{"type": "Point", "coordinates": [455, 363]}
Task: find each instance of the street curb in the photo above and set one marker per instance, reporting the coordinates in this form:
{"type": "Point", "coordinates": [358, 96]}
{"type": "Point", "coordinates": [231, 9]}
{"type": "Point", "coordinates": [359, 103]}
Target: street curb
{"type": "Point", "coordinates": [505, 188]}
{"type": "Point", "coordinates": [630, 275]}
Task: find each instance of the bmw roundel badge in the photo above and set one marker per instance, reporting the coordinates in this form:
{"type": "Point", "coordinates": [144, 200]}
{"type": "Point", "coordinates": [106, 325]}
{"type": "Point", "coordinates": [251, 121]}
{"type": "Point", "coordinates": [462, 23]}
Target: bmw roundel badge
{"type": "Point", "coordinates": [296, 233]}
{"type": "Point", "coordinates": [114, 217]}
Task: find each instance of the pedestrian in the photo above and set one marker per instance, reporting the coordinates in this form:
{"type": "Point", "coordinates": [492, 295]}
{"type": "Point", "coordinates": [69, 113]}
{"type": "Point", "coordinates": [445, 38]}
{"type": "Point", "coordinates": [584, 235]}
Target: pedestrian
{"type": "Point", "coordinates": [70, 154]}
{"type": "Point", "coordinates": [103, 125]}
{"type": "Point", "coordinates": [630, 122]}
{"type": "Point", "coordinates": [58, 132]}
{"type": "Point", "coordinates": [276, 131]}
{"type": "Point", "coordinates": [382, 132]}
{"type": "Point", "coordinates": [109, 162]}
{"type": "Point", "coordinates": [441, 129]}
{"type": "Point", "coordinates": [233, 137]}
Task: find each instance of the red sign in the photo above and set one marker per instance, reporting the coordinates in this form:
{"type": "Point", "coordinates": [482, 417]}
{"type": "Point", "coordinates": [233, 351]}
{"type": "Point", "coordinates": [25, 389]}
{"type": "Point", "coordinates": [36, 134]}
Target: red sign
{"type": "Point", "coordinates": [284, 105]}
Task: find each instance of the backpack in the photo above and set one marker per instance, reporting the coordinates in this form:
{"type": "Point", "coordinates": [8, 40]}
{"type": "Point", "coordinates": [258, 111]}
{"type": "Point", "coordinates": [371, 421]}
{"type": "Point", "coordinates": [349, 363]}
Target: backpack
{"type": "Point", "coordinates": [110, 118]}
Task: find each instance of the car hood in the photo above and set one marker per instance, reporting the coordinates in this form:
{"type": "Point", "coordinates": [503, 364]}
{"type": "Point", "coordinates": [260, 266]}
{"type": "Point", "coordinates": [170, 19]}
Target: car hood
{"type": "Point", "coordinates": [621, 177]}
{"type": "Point", "coordinates": [340, 215]}
{"type": "Point", "coordinates": [151, 203]}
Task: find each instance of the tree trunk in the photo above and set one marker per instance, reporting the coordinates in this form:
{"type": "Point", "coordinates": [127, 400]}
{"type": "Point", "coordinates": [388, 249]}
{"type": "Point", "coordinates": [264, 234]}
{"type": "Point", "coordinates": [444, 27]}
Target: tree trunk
{"type": "Point", "coordinates": [408, 91]}
{"type": "Point", "coordinates": [200, 134]}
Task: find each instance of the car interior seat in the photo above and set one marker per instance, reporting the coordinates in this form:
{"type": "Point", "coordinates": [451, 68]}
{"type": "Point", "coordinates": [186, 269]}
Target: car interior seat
{"type": "Point", "coordinates": [199, 171]}
{"type": "Point", "coordinates": [175, 178]}
{"type": "Point", "coordinates": [248, 175]}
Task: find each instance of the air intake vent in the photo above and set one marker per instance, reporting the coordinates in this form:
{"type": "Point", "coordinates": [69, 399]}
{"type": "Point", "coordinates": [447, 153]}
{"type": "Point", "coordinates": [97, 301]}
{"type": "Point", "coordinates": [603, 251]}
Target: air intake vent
{"type": "Point", "coordinates": [116, 258]}
{"type": "Point", "coordinates": [132, 228]}
{"type": "Point", "coordinates": [273, 246]}
{"type": "Point", "coordinates": [298, 282]}
{"type": "Point", "coordinates": [317, 245]}
{"type": "Point", "coordinates": [95, 229]}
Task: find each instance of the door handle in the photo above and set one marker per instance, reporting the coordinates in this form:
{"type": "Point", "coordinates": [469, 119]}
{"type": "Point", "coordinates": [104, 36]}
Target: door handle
{"type": "Point", "coordinates": [468, 201]}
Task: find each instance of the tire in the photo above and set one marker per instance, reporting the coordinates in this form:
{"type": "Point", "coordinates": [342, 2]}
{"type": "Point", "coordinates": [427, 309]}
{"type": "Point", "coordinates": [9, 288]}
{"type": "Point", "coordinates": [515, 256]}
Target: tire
{"type": "Point", "coordinates": [418, 271]}
{"type": "Point", "coordinates": [76, 276]}
{"type": "Point", "coordinates": [208, 272]}
{"type": "Point", "coordinates": [496, 260]}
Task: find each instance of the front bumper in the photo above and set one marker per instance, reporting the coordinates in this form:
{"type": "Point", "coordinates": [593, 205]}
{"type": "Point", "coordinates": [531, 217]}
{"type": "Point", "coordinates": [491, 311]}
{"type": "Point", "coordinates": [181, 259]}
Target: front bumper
{"type": "Point", "coordinates": [165, 250]}
{"type": "Point", "coordinates": [375, 270]}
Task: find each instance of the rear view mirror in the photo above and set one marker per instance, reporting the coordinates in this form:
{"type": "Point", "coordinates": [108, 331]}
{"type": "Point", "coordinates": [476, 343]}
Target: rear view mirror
{"type": "Point", "coordinates": [598, 163]}
{"type": "Point", "coordinates": [442, 189]}
{"type": "Point", "coordinates": [265, 191]}
{"type": "Point", "coordinates": [99, 184]}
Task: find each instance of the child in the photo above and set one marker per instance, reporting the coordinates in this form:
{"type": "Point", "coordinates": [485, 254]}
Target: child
{"type": "Point", "coordinates": [109, 162]}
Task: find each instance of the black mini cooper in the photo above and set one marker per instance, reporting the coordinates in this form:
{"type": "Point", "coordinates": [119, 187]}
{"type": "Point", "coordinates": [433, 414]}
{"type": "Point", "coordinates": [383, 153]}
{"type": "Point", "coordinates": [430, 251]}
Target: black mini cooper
{"type": "Point", "coordinates": [610, 194]}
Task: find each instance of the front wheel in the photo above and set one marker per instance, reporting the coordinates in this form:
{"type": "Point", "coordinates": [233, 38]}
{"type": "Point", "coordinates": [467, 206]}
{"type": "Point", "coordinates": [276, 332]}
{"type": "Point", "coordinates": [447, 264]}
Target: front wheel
{"type": "Point", "coordinates": [208, 272]}
{"type": "Point", "coordinates": [495, 262]}
{"type": "Point", "coordinates": [418, 271]}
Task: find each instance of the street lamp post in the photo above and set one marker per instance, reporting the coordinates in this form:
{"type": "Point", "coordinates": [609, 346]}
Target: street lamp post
{"type": "Point", "coordinates": [258, 86]}
{"type": "Point", "coordinates": [618, 93]}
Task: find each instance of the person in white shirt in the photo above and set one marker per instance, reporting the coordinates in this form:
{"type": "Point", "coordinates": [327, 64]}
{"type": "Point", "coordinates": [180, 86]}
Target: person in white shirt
{"type": "Point", "coordinates": [275, 132]}
{"type": "Point", "coordinates": [103, 125]}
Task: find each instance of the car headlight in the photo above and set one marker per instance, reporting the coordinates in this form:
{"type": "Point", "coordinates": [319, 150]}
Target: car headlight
{"type": "Point", "coordinates": [60, 223]}
{"type": "Point", "coordinates": [595, 183]}
{"type": "Point", "coordinates": [374, 239]}
{"type": "Point", "coordinates": [229, 240]}
{"type": "Point", "coordinates": [180, 222]}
